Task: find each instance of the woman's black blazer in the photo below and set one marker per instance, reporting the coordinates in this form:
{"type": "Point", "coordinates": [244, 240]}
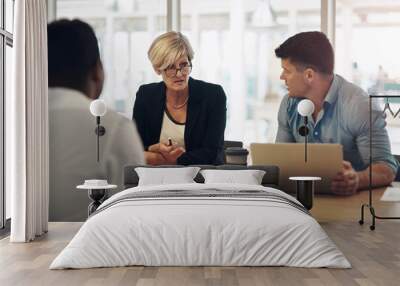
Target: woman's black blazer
{"type": "Point", "coordinates": [205, 120]}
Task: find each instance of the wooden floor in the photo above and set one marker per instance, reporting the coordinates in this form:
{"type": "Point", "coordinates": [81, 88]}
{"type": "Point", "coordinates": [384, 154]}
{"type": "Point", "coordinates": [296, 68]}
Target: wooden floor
{"type": "Point", "coordinates": [374, 255]}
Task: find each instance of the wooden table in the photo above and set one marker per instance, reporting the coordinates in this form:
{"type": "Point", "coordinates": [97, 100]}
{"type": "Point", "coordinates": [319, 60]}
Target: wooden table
{"type": "Point", "coordinates": [348, 208]}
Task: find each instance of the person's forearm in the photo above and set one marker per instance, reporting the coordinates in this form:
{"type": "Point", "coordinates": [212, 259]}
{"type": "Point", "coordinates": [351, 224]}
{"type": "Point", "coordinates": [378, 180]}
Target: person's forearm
{"type": "Point", "coordinates": [382, 175]}
{"type": "Point", "coordinates": [153, 158]}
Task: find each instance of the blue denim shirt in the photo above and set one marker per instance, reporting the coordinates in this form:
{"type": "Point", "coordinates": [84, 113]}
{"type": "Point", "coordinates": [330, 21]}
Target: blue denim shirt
{"type": "Point", "coordinates": [343, 119]}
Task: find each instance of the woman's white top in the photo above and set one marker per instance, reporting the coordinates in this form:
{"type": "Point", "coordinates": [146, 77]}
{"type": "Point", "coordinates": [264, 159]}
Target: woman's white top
{"type": "Point", "coordinates": [172, 129]}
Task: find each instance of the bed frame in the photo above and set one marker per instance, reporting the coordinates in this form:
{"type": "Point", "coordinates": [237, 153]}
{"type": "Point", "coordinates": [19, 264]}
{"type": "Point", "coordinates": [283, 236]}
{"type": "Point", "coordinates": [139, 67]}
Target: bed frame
{"type": "Point", "coordinates": [270, 179]}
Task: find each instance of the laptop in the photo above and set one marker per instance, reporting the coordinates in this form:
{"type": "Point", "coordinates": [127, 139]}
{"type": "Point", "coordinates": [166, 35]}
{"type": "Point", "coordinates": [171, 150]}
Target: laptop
{"type": "Point", "coordinates": [323, 160]}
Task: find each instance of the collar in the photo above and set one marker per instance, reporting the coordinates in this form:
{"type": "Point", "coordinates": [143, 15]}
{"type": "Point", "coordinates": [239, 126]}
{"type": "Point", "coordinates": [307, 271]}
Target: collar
{"type": "Point", "coordinates": [333, 91]}
{"type": "Point", "coordinates": [66, 97]}
{"type": "Point", "coordinates": [194, 94]}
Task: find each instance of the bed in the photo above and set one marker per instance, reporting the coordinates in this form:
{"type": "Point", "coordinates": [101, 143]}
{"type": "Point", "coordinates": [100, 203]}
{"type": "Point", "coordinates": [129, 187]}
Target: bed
{"type": "Point", "coordinates": [201, 224]}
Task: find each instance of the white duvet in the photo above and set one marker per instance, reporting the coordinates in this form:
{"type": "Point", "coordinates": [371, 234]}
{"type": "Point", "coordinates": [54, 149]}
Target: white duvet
{"type": "Point", "coordinates": [200, 231]}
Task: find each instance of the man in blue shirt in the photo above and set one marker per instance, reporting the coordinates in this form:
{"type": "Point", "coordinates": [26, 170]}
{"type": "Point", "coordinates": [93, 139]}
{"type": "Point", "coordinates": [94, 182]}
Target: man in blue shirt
{"type": "Point", "coordinates": [341, 113]}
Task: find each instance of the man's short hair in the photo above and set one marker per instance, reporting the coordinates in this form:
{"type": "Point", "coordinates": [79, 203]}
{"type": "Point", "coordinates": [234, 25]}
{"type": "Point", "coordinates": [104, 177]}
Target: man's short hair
{"type": "Point", "coordinates": [310, 50]}
{"type": "Point", "coordinates": [72, 52]}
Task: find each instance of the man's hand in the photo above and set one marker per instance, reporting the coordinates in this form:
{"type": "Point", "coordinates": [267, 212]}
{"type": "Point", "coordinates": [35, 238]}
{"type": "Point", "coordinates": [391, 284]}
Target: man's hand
{"type": "Point", "coordinates": [346, 181]}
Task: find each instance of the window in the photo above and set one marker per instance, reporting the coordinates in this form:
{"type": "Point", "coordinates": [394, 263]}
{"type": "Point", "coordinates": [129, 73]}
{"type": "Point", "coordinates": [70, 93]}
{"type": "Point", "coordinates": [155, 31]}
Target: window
{"type": "Point", "coordinates": [6, 41]}
{"type": "Point", "coordinates": [366, 28]}
{"type": "Point", "coordinates": [125, 30]}
{"type": "Point", "coordinates": [216, 29]}
{"type": "Point", "coordinates": [9, 12]}
{"type": "Point", "coordinates": [234, 42]}
{"type": "Point", "coordinates": [8, 85]}
{"type": "Point", "coordinates": [248, 72]}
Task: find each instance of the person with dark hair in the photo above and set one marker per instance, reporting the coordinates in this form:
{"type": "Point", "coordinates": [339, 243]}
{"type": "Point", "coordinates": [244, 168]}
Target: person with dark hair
{"type": "Point", "coordinates": [76, 77]}
{"type": "Point", "coordinates": [340, 116]}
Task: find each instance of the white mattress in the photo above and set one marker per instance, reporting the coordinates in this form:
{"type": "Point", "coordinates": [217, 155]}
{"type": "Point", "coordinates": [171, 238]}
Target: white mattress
{"type": "Point", "coordinates": [200, 231]}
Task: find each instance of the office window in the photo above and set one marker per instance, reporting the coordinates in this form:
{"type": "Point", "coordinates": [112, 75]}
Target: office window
{"type": "Point", "coordinates": [234, 42]}
{"type": "Point", "coordinates": [8, 86]}
{"type": "Point", "coordinates": [9, 12]}
{"type": "Point", "coordinates": [6, 41]}
{"type": "Point", "coordinates": [125, 30]}
{"type": "Point", "coordinates": [366, 50]}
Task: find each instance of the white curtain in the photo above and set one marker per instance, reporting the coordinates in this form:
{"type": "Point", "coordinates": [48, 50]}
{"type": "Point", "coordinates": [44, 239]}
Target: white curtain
{"type": "Point", "coordinates": [27, 158]}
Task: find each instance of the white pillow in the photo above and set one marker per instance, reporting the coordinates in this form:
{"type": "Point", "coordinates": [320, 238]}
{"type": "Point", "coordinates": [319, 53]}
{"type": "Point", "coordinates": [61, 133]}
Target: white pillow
{"type": "Point", "coordinates": [164, 176]}
{"type": "Point", "coordinates": [248, 177]}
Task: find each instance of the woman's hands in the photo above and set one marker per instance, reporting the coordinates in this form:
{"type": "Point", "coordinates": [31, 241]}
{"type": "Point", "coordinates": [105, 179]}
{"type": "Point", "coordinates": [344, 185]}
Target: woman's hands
{"type": "Point", "coordinates": [160, 153]}
{"type": "Point", "coordinates": [171, 155]}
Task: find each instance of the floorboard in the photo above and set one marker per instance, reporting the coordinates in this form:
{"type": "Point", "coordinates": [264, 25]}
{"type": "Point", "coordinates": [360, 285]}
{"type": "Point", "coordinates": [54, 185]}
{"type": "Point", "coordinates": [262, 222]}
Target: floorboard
{"type": "Point", "coordinates": [374, 255]}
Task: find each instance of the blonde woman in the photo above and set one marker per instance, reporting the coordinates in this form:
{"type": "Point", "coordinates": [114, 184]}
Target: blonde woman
{"type": "Point", "coordinates": [181, 120]}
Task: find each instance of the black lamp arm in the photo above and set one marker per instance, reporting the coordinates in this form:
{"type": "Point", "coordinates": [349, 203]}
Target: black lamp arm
{"type": "Point", "coordinates": [305, 138]}
{"type": "Point", "coordinates": [100, 131]}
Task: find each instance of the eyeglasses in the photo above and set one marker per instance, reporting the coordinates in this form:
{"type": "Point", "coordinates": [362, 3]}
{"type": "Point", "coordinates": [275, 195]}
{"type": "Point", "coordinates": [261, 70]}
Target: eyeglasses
{"type": "Point", "coordinates": [184, 68]}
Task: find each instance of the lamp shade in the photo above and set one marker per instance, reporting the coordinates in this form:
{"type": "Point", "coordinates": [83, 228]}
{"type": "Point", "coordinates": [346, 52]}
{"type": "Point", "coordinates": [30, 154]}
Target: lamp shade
{"type": "Point", "coordinates": [305, 107]}
{"type": "Point", "coordinates": [98, 107]}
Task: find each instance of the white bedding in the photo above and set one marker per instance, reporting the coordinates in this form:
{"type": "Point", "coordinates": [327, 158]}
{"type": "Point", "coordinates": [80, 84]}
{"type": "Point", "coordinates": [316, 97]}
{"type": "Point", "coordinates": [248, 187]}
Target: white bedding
{"type": "Point", "coordinates": [200, 231]}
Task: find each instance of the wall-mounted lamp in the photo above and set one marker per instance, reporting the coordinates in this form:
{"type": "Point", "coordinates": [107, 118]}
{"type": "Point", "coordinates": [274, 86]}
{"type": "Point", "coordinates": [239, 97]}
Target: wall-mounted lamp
{"type": "Point", "coordinates": [305, 108]}
{"type": "Point", "coordinates": [98, 108]}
